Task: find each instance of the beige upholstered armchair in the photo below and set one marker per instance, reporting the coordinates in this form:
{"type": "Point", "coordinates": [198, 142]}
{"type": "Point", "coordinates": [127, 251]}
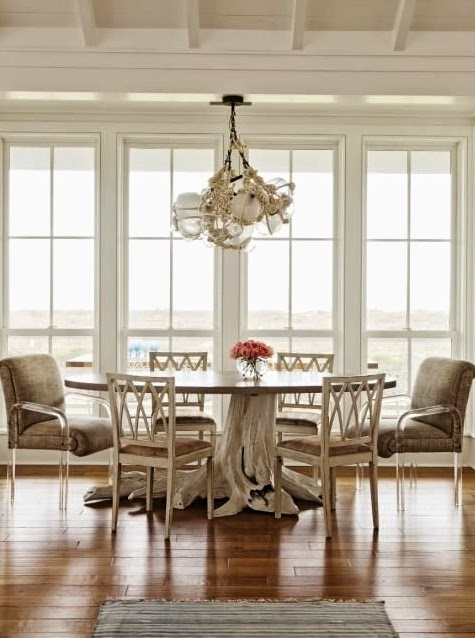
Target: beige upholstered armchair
{"type": "Point", "coordinates": [435, 419]}
{"type": "Point", "coordinates": [35, 406]}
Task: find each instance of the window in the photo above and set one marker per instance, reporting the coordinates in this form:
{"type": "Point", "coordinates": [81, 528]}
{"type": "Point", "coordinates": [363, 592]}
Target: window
{"type": "Point", "coordinates": [290, 291]}
{"type": "Point", "coordinates": [170, 283]}
{"type": "Point", "coordinates": [410, 274]}
{"type": "Point", "coordinates": [49, 249]}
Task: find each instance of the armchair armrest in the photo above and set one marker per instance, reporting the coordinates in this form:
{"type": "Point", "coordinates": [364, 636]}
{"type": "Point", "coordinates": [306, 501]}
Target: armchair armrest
{"type": "Point", "coordinates": [91, 397]}
{"type": "Point", "coordinates": [429, 410]}
{"type": "Point", "coordinates": [44, 409]}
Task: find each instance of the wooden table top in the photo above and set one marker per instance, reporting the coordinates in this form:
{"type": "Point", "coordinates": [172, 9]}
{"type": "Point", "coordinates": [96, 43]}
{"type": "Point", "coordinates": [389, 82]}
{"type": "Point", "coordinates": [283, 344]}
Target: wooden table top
{"type": "Point", "coordinates": [213, 382]}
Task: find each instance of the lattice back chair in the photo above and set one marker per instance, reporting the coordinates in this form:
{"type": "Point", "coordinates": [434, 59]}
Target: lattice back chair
{"type": "Point", "coordinates": [351, 408]}
{"type": "Point", "coordinates": [189, 415]}
{"type": "Point", "coordinates": [434, 421]}
{"type": "Point", "coordinates": [138, 403]}
{"type": "Point", "coordinates": [299, 413]}
{"type": "Point", "coordinates": [35, 403]}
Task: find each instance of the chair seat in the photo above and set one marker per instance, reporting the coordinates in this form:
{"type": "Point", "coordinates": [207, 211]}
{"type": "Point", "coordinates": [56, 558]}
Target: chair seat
{"type": "Point", "coordinates": [87, 435]}
{"type": "Point", "coordinates": [199, 418]}
{"type": "Point", "coordinates": [183, 446]}
{"type": "Point", "coordinates": [311, 445]}
{"type": "Point", "coordinates": [418, 437]}
{"type": "Point", "coordinates": [297, 418]}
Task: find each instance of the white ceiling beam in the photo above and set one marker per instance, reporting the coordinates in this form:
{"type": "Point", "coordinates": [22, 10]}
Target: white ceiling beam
{"type": "Point", "coordinates": [87, 22]}
{"type": "Point", "coordinates": [299, 14]}
{"type": "Point", "coordinates": [402, 23]}
{"type": "Point", "coordinates": [193, 23]}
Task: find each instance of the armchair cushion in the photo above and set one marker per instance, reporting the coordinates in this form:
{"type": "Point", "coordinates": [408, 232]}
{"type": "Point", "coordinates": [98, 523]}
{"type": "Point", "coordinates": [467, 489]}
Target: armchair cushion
{"type": "Point", "coordinates": [86, 435]}
{"type": "Point", "coordinates": [442, 381]}
{"type": "Point", "coordinates": [418, 437]}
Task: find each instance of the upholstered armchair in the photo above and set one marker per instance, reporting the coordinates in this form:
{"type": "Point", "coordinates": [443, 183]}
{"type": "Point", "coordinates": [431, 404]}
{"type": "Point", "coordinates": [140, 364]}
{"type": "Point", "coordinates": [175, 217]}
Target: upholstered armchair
{"type": "Point", "coordinates": [35, 404]}
{"type": "Point", "coordinates": [435, 419]}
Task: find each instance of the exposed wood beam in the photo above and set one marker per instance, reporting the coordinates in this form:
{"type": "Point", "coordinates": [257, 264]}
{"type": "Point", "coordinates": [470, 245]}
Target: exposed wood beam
{"type": "Point", "coordinates": [87, 22]}
{"type": "Point", "coordinates": [298, 23]}
{"type": "Point", "coordinates": [402, 23]}
{"type": "Point", "coordinates": [193, 23]}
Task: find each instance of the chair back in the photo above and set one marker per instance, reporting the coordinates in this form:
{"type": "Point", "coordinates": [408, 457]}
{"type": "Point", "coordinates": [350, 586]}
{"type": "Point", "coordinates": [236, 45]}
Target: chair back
{"type": "Point", "coordinates": [443, 381]}
{"type": "Point", "coordinates": [32, 378]}
{"type": "Point", "coordinates": [303, 362]}
{"type": "Point", "coordinates": [351, 409]}
{"type": "Point", "coordinates": [137, 405]}
{"type": "Point", "coordinates": [164, 361]}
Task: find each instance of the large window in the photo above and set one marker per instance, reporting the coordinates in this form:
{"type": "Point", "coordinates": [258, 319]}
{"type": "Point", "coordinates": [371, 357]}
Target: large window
{"type": "Point", "coordinates": [410, 274]}
{"type": "Point", "coordinates": [49, 283]}
{"type": "Point", "coordinates": [290, 292]}
{"type": "Point", "coordinates": [170, 283]}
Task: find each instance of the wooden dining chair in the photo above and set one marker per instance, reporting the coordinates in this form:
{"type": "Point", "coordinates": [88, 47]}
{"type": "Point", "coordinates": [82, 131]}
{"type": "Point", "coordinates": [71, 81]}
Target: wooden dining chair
{"type": "Point", "coordinates": [35, 403]}
{"type": "Point", "coordinates": [299, 413]}
{"type": "Point", "coordinates": [189, 408]}
{"type": "Point", "coordinates": [138, 403]}
{"type": "Point", "coordinates": [351, 408]}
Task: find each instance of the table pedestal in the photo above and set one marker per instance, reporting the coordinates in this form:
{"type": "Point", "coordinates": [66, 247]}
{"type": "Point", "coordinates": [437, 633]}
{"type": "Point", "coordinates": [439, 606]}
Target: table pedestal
{"type": "Point", "coordinates": [243, 466]}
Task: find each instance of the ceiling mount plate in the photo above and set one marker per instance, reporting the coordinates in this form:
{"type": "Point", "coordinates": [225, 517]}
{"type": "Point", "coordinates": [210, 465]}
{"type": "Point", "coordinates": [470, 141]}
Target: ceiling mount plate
{"type": "Point", "coordinates": [232, 100]}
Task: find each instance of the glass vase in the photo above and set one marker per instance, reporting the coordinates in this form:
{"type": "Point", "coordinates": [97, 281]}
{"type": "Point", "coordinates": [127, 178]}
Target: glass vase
{"type": "Point", "coordinates": [251, 368]}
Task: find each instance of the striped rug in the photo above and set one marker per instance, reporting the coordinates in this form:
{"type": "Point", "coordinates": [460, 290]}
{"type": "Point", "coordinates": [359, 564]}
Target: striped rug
{"type": "Point", "coordinates": [150, 618]}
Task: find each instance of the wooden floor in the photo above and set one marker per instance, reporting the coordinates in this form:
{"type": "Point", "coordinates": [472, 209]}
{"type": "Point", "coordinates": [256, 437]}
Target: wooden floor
{"type": "Point", "coordinates": [55, 570]}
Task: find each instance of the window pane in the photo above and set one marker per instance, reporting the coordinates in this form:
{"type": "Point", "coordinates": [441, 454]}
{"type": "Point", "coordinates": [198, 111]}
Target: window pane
{"type": "Point", "coordinates": [386, 285]}
{"type": "Point", "coordinates": [149, 283]}
{"type": "Point", "coordinates": [313, 345]}
{"type": "Point", "coordinates": [192, 168]}
{"type": "Point", "coordinates": [312, 174]}
{"type": "Point", "coordinates": [149, 192]}
{"type": "Point", "coordinates": [74, 354]}
{"type": "Point", "coordinates": [430, 286]}
{"type": "Point", "coordinates": [387, 195]}
{"type": "Point", "coordinates": [194, 344]}
{"type": "Point", "coordinates": [29, 191]}
{"type": "Point", "coordinates": [423, 348]}
{"type": "Point", "coordinates": [138, 349]}
{"type": "Point", "coordinates": [17, 346]}
{"type": "Point", "coordinates": [74, 191]}
{"type": "Point", "coordinates": [268, 285]}
{"type": "Point", "coordinates": [73, 283]}
{"type": "Point", "coordinates": [312, 285]}
{"type": "Point", "coordinates": [29, 283]}
{"type": "Point", "coordinates": [431, 195]}
{"type": "Point", "coordinates": [193, 285]}
{"type": "Point", "coordinates": [391, 355]}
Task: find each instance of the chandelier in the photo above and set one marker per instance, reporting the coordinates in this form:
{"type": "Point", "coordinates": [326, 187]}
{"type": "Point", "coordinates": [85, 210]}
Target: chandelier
{"type": "Point", "coordinates": [234, 205]}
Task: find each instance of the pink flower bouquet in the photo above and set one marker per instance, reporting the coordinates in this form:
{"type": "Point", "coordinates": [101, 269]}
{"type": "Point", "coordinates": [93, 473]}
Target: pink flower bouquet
{"type": "Point", "coordinates": [251, 357]}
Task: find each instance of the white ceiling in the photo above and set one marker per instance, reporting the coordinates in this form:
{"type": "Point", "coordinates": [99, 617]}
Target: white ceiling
{"type": "Point", "coordinates": [407, 52]}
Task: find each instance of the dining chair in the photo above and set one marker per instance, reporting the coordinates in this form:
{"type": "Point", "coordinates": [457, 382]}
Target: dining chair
{"type": "Point", "coordinates": [138, 402]}
{"type": "Point", "coordinates": [189, 408]}
{"type": "Point", "coordinates": [35, 403]}
{"type": "Point", "coordinates": [434, 421]}
{"type": "Point", "coordinates": [299, 413]}
{"type": "Point", "coordinates": [351, 407]}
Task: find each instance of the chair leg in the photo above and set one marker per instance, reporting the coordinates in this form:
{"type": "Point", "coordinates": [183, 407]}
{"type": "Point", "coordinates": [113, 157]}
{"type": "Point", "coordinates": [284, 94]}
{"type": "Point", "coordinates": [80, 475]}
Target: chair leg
{"type": "Point", "coordinates": [63, 479]}
{"type": "Point", "coordinates": [200, 437]}
{"type": "Point", "coordinates": [278, 486]}
{"type": "Point", "coordinates": [373, 483]}
{"type": "Point", "coordinates": [149, 493]}
{"type": "Point", "coordinates": [359, 477]}
{"type": "Point", "coordinates": [457, 478]}
{"type": "Point", "coordinates": [210, 486]}
{"type": "Point", "coordinates": [413, 471]}
{"type": "Point", "coordinates": [111, 466]}
{"type": "Point", "coordinates": [11, 472]}
{"type": "Point", "coordinates": [170, 497]}
{"type": "Point", "coordinates": [333, 488]}
{"type": "Point", "coordinates": [115, 495]}
{"type": "Point", "coordinates": [400, 480]}
{"type": "Point", "coordinates": [326, 480]}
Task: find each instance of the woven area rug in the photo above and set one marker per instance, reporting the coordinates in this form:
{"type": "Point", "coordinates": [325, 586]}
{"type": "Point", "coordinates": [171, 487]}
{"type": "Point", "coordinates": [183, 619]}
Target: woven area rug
{"type": "Point", "coordinates": [150, 618]}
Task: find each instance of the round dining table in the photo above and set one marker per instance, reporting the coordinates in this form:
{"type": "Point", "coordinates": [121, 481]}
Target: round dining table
{"type": "Point", "coordinates": [244, 454]}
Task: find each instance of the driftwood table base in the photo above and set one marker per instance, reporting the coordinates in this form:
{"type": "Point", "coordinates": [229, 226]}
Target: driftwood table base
{"type": "Point", "coordinates": [244, 461]}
